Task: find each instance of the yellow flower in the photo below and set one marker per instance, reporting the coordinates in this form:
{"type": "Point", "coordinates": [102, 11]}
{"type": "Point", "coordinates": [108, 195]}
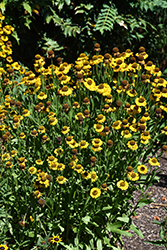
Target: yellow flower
{"type": "Point", "coordinates": [78, 168]}
{"type": "Point", "coordinates": [90, 84]}
{"type": "Point", "coordinates": [117, 125]}
{"type": "Point", "coordinates": [53, 121]}
{"type": "Point", "coordinates": [122, 185]}
{"type": "Point", "coordinates": [65, 130]}
{"type": "Point", "coordinates": [16, 65]}
{"type": "Point", "coordinates": [98, 127]}
{"type": "Point", "coordinates": [2, 246]}
{"type": "Point", "coordinates": [42, 129]}
{"type": "Point", "coordinates": [142, 169]}
{"type": "Point", "coordinates": [97, 141]}
{"type": "Point", "coordinates": [58, 151]}
{"type": "Point", "coordinates": [22, 135]}
{"type": "Point", "coordinates": [56, 239]}
{"type": "Point", "coordinates": [126, 134]}
{"type": "Point", "coordinates": [26, 112]}
{"type": "Point", "coordinates": [141, 101]}
{"type": "Point", "coordinates": [42, 96]}
{"type": "Point", "coordinates": [95, 193]}
{"type": "Point", "coordinates": [153, 162]}
{"type": "Point", "coordinates": [86, 175]}
{"type": "Point", "coordinates": [100, 118]}
{"type": "Point", "coordinates": [31, 219]}
{"type": "Point", "coordinates": [39, 162]}
{"type": "Point", "coordinates": [65, 91]}
{"type": "Point", "coordinates": [32, 170]}
{"type": "Point", "coordinates": [8, 164]}
{"type": "Point", "coordinates": [94, 176]}
{"type": "Point", "coordinates": [5, 157]}
{"type": "Point", "coordinates": [61, 179]}
{"type": "Point", "coordinates": [83, 144]}
{"type": "Point", "coordinates": [164, 130]}
{"type": "Point", "coordinates": [132, 145]}
{"type": "Point", "coordinates": [133, 176]}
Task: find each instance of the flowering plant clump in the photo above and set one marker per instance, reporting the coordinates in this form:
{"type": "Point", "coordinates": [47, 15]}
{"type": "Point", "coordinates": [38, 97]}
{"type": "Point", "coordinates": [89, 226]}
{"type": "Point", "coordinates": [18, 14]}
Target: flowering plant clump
{"type": "Point", "coordinates": [76, 141]}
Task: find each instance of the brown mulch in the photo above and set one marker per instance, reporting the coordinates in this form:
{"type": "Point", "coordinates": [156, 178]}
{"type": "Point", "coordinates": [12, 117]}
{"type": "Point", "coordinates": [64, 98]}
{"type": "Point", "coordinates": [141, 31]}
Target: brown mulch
{"type": "Point", "coordinates": [149, 213]}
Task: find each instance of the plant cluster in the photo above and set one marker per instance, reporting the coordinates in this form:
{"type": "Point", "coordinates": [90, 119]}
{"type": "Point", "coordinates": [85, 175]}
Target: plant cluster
{"type": "Point", "coordinates": [76, 141]}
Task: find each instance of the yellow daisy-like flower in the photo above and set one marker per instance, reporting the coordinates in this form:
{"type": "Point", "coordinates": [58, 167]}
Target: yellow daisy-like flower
{"type": "Point", "coordinates": [86, 175]}
{"type": "Point", "coordinates": [131, 93]}
{"type": "Point", "coordinates": [126, 134]}
{"type": "Point", "coordinates": [98, 127]}
{"type": "Point", "coordinates": [133, 176]}
{"type": "Point", "coordinates": [83, 144]}
{"type": "Point", "coordinates": [5, 157]}
{"type": "Point", "coordinates": [65, 91]}
{"type": "Point", "coordinates": [96, 148]}
{"type": "Point", "coordinates": [3, 247]}
{"type": "Point", "coordinates": [97, 141]}
{"type": "Point", "coordinates": [65, 130]}
{"type": "Point", "coordinates": [60, 166]}
{"type": "Point", "coordinates": [164, 130]}
{"type": "Point", "coordinates": [153, 162]}
{"type": "Point", "coordinates": [95, 193]}
{"type": "Point", "coordinates": [90, 84]}
{"type": "Point", "coordinates": [53, 121]}
{"type": "Point", "coordinates": [51, 159]}
{"type": "Point", "coordinates": [145, 135]}
{"type": "Point", "coordinates": [94, 176]}
{"type": "Point", "coordinates": [42, 129]}
{"type": "Point", "coordinates": [122, 185]}
{"type": "Point", "coordinates": [56, 239]}
{"type": "Point", "coordinates": [22, 135]}
{"type": "Point", "coordinates": [39, 162]}
{"type": "Point", "coordinates": [141, 101]}
{"type": "Point", "coordinates": [58, 151]}
{"type": "Point", "coordinates": [13, 153]}
{"type": "Point", "coordinates": [117, 125]}
{"type": "Point", "coordinates": [100, 118]}
{"type": "Point", "coordinates": [78, 168]}
{"type": "Point", "coordinates": [142, 169]}
{"type": "Point", "coordinates": [8, 164]}
{"type": "Point", "coordinates": [61, 179]}
{"type": "Point", "coordinates": [32, 170]}
{"type": "Point", "coordinates": [26, 112]}
{"type": "Point", "coordinates": [42, 96]}
{"type": "Point", "coordinates": [132, 145]}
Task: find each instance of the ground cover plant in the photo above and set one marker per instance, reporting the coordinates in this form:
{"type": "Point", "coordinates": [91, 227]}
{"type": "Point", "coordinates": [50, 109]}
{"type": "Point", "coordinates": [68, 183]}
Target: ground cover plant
{"type": "Point", "coordinates": [76, 141]}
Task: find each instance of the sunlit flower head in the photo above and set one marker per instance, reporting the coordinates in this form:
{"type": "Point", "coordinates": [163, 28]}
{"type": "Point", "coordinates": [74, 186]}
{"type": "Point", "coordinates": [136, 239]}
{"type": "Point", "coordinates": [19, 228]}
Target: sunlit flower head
{"type": "Point", "coordinates": [122, 185]}
{"type": "Point", "coordinates": [95, 193]}
{"type": "Point", "coordinates": [142, 169]}
{"type": "Point", "coordinates": [117, 125]}
{"type": "Point", "coordinates": [133, 176]}
{"type": "Point", "coordinates": [32, 170]}
{"type": "Point", "coordinates": [132, 145]}
{"type": "Point", "coordinates": [153, 162]}
{"type": "Point", "coordinates": [56, 239]}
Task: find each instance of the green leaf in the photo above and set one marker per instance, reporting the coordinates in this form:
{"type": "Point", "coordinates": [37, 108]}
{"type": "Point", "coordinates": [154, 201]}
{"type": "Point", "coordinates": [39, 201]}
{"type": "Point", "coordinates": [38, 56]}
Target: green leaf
{"type": "Point", "coordinates": [124, 218]}
{"type": "Point", "coordinates": [27, 7]}
{"type": "Point", "coordinates": [68, 2]}
{"type": "Point", "coordinates": [2, 7]}
{"type": "Point", "coordinates": [136, 230]}
{"type": "Point", "coordinates": [99, 245]}
{"type": "Point", "coordinates": [157, 242]}
{"type": "Point", "coordinates": [86, 219]}
{"type": "Point", "coordinates": [144, 202]}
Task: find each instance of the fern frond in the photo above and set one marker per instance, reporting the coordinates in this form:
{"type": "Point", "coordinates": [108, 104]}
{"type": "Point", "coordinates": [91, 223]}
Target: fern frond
{"type": "Point", "coordinates": [106, 18]}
